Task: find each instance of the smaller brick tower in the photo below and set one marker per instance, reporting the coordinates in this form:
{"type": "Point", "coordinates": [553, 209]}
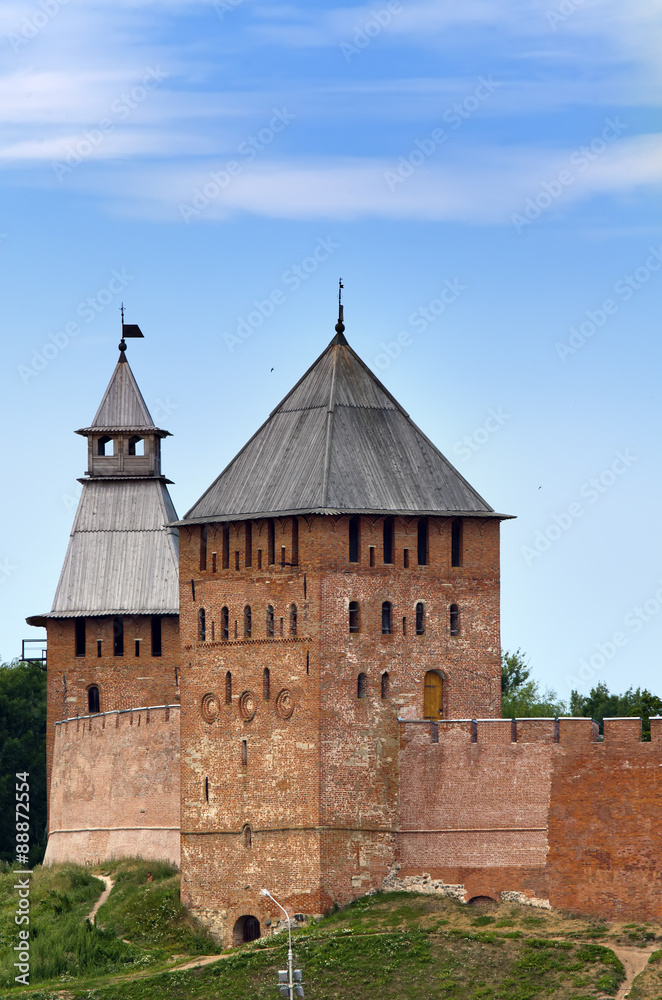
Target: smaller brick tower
{"type": "Point", "coordinates": [339, 574]}
{"type": "Point", "coordinates": [113, 630]}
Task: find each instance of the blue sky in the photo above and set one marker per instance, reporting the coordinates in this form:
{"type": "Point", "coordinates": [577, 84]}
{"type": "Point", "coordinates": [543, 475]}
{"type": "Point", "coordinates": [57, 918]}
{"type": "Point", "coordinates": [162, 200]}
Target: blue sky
{"type": "Point", "coordinates": [485, 176]}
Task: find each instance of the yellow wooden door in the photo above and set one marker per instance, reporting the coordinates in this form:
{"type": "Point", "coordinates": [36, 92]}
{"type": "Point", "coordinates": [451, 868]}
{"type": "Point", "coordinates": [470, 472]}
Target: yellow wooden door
{"type": "Point", "coordinates": [432, 695]}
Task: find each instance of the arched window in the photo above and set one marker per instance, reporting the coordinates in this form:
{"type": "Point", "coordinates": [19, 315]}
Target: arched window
{"type": "Point", "coordinates": [385, 684]}
{"type": "Point", "coordinates": [293, 619]}
{"type": "Point", "coordinates": [225, 623]}
{"type": "Point", "coordinates": [203, 547]}
{"type": "Point", "coordinates": [105, 446]}
{"type": "Point", "coordinates": [422, 541]}
{"type": "Point", "coordinates": [456, 542]}
{"type": "Point", "coordinates": [247, 835]}
{"type": "Point", "coordinates": [388, 539]}
{"type": "Point", "coordinates": [354, 617]}
{"type": "Point", "coordinates": [420, 618]}
{"type": "Point", "coordinates": [361, 686]}
{"type": "Point", "coordinates": [228, 688]}
{"type": "Point", "coordinates": [455, 619]}
{"type": "Point", "coordinates": [387, 611]}
{"type": "Point", "coordinates": [247, 622]}
{"type": "Point", "coordinates": [354, 538]}
{"type": "Point", "coordinates": [270, 620]}
{"type": "Point", "coordinates": [266, 684]}
{"type": "Point", "coordinates": [93, 700]}
{"type": "Point", "coordinates": [202, 627]}
{"type": "Point", "coordinates": [432, 695]}
{"type": "Point", "coordinates": [136, 445]}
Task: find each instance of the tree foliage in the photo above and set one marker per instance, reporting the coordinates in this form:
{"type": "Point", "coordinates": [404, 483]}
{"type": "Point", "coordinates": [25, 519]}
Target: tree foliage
{"type": "Point", "coordinates": [600, 704]}
{"type": "Point", "coordinates": [22, 748]}
{"type": "Point", "coordinates": [521, 697]}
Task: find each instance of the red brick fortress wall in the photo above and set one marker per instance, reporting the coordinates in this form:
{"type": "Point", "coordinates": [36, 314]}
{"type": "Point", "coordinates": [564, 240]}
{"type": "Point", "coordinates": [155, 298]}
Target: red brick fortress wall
{"type": "Point", "coordinates": [540, 808]}
{"type": "Point", "coordinates": [115, 787]}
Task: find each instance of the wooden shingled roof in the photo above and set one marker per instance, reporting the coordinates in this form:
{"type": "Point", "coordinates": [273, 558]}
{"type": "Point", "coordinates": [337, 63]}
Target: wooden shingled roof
{"type": "Point", "coordinates": [338, 443]}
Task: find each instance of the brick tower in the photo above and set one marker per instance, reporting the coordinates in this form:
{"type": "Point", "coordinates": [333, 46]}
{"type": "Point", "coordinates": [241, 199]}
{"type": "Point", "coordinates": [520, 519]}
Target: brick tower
{"type": "Point", "coordinates": [337, 575]}
{"type": "Point", "coordinates": [113, 631]}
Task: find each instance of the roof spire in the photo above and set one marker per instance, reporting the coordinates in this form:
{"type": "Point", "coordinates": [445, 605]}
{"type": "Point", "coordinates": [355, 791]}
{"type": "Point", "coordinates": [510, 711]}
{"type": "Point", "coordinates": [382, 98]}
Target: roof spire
{"type": "Point", "coordinates": [128, 330]}
{"type": "Point", "coordinates": [340, 326]}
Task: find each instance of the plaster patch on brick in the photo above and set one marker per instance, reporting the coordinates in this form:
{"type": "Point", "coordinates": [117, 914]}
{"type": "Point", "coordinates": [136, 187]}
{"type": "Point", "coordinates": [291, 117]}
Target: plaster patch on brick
{"type": "Point", "coordinates": [422, 883]}
{"type": "Point", "coordinates": [524, 900]}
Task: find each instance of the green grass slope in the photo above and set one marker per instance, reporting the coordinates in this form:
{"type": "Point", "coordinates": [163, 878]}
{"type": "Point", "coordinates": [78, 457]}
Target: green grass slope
{"type": "Point", "coordinates": [382, 947]}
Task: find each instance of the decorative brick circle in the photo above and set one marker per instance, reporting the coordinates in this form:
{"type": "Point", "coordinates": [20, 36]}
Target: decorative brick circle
{"type": "Point", "coordinates": [285, 704]}
{"type": "Point", "coordinates": [210, 707]}
{"type": "Point", "coordinates": [247, 705]}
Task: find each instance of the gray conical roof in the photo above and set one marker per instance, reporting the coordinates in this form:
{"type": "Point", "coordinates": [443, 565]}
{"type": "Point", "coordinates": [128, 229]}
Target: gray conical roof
{"type": "Point", "coordinates": [122, 406]}
{"type": "Point", "coordinates": [338, 443]}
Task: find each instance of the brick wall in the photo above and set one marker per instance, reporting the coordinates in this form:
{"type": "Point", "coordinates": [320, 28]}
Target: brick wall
{"type": "Point", "coordinates": [123, 681]}
{"type": "Point", "coordinates": [115, 787]}
{"type": "Point", "coordinates": [319, 788]}
{"type": "Point", "coordinates": [556, 815]}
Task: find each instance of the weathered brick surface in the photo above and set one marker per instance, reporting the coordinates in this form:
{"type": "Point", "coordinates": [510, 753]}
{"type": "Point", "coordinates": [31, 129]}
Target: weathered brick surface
{"type": "Point", "coordinates": [123, 681]}
{"type": "Point", "coordinates": [115, 787]}
{"type": "Point", "coordinates": [574, 821]}
{"type": "Point", "coordinates": [319, 789]}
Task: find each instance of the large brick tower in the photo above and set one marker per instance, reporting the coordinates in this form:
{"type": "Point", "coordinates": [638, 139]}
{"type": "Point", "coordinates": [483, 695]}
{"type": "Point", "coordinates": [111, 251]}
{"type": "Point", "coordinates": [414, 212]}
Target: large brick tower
{"type": "Point", "coordinates": [337, 575]}
{"type": "Point", "coordinates": [113, 640]}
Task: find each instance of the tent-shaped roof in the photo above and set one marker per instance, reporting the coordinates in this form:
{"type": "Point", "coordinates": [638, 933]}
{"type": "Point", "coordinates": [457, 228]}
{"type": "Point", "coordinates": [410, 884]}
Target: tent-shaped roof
{"type": "Point", "coordinates": [338, 443]}
{"type": "Point", "coordinates": [122, 407]}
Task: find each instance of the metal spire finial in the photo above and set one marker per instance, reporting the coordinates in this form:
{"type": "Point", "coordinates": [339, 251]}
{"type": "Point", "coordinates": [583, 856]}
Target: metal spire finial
{"type": "Point", "coordinates": [340, 326]}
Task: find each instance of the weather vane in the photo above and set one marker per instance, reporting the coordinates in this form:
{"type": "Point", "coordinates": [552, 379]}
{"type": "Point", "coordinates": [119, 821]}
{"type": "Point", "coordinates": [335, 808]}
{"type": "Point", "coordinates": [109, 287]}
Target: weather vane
{"type": "Point", "coordinates": [128, 330]}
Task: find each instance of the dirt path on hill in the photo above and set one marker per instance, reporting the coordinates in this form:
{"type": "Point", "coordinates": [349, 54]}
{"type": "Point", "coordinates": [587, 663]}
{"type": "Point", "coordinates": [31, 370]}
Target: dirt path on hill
{"type": "Point", "coordinates": [108, 882]}
{"type": "Point", "coordinates": [635, 961]}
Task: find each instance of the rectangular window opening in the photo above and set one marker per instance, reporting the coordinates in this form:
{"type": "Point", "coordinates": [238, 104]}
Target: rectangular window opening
{"type": "Point", "coordinates": [156, 635]}
{"type": "Point", "coordinates": [282, 555]}
{"type": "Point", "coordinates": [295, 541]}
{"type": "Point", "coordinates": [244, 752]}
{"type": "Point", "coordinates": [236, 560]}
{"type": "Point", "coordinates": [137, 644]}
{"type": "Point", "coordinates": [118, 636]}
{"type": "Point", "coordinates": [225, 551]}
{"type": "Point", "coordinates": [405, 558]}
{"type": "Point", "coordinates": [79, 627]}
{"type": "Point", "coordinates": [213, 562]}
{"type": "Point", "coordinates": [248, 529]}
{"type": "Point", "coordinates": [98, 648]}
{"type": "Point", "coordinates": [271, 542]}
{"type": "Point", "coordinates": [354, 538]}
{"type": "Point", "coordinates": [456, 542]}
{"type": "Point", "coordinates": [422, 541]}
{"type": "Point", "coordinates": [203, 547]}
{"type": "Point", "coordinates": [259, 558]}
{"type": "Point", "coordinates": [372, 555]}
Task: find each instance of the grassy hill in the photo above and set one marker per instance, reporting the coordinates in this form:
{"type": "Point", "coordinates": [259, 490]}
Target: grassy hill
{"type": "Point", "coordinates": [382, 947]}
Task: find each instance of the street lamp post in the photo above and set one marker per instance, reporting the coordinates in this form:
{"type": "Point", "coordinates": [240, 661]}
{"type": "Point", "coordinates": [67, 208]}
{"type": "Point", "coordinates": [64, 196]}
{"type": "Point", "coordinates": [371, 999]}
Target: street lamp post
{"type": "Point", "coordinates": [293, 989]}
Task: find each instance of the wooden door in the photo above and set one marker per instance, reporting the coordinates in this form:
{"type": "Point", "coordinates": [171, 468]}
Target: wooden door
{"type": "Point", "coordinates": [432, 695]}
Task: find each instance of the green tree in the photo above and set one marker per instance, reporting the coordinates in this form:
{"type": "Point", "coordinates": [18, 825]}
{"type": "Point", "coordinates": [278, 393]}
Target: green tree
{"type": "Point", "coordinates": [22, 748]}
{"type": "Point", "coordinates": [600, 704]}
{"type": "Point", "coordinates": [521, 697]}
